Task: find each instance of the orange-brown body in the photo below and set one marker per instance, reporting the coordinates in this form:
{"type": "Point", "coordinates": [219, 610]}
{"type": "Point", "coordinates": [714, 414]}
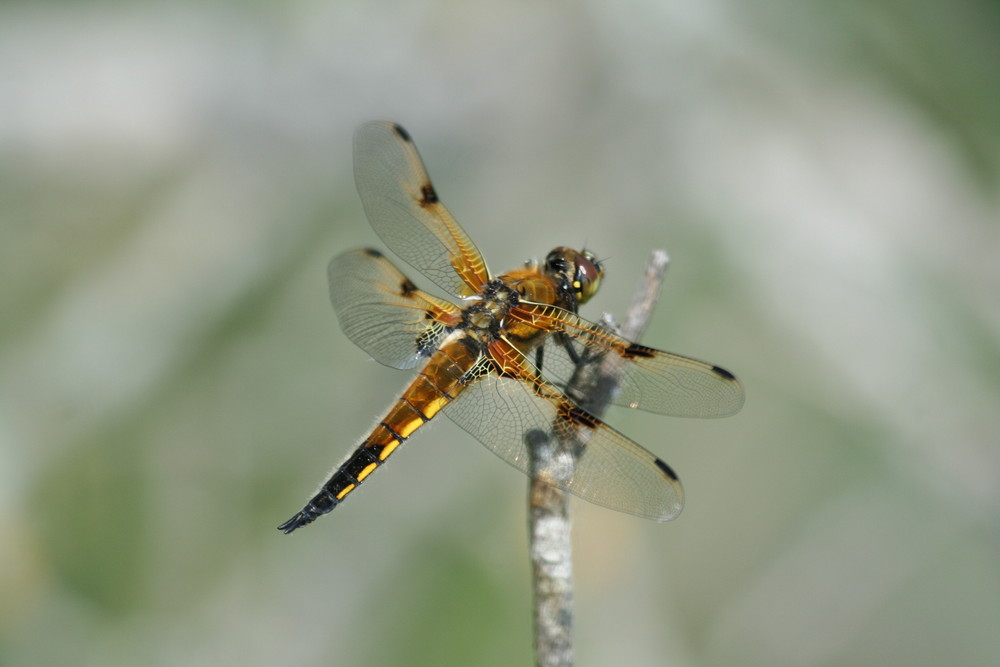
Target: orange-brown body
{"type": "Point", "coordinates": [476, 345]}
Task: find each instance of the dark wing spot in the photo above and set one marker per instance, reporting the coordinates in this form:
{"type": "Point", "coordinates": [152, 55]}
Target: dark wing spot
{"type": "Point", "coordinates": [407, 288]}
{"type": "Point", "coordinates": [582, 417]}
{"type": "Point", "coordinates": [723, 373]}
{"type": "Point", "coordinates": [403, 134]}
{"type": "Point", "coordinates": [667, 470]}
{"type": "Point", "coordinates": [635, 350]}
{"type": "Point", "coordinates": [372, 252]}
{"type": "Point", "coordinates": [428, 196]}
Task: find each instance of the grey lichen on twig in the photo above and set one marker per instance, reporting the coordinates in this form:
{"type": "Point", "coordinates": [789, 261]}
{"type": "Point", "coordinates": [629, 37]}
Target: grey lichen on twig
{"type": "Point", "coordinates": [594, 384]}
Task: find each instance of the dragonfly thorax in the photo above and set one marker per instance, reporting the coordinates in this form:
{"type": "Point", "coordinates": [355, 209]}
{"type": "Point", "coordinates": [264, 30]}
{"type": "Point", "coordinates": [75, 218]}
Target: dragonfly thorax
{"type": "Point", "coordinates": [486, 314]}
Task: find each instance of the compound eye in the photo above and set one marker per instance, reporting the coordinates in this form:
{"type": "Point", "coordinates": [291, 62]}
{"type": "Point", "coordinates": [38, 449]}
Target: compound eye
{"type": "Point", "coordinates": [588, 276]}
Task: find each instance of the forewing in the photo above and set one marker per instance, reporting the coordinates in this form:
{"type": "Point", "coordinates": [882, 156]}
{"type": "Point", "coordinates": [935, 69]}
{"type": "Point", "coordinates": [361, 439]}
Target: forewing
{"type": "Point", "coordinates": [384, 313]}
{"type": "Point", "coordinates": [611, 470]}
{"type": "Point", "coordinates": [403, 208]}
{"type": "Point", "coordinates": [650, 379]}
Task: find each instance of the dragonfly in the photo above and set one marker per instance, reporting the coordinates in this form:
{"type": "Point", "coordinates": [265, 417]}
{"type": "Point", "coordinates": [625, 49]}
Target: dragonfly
{"type": "Point", "coordinates": [498, 359]}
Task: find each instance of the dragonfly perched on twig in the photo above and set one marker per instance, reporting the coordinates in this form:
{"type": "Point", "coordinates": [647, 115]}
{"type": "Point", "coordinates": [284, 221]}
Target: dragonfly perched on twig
{"type": "Point", "coordinates": [497, 362]}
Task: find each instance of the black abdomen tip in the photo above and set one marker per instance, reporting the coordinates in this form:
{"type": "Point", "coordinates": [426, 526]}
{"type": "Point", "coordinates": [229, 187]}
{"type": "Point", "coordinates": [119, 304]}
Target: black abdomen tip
{"type": "Point", "coordinates": [297, 521]}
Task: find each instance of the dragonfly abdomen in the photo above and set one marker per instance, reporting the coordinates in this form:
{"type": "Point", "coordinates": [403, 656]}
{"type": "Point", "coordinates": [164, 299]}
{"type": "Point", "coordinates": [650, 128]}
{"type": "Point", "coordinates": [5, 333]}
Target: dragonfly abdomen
{"type": "Point", "coordinates": [370, 454]}
{"type": "Point", "coordinates": [423, 399]}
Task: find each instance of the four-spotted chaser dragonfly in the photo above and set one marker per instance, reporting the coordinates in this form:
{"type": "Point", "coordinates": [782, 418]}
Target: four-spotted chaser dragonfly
{"type": "Point", "coordinates": [480, 362]}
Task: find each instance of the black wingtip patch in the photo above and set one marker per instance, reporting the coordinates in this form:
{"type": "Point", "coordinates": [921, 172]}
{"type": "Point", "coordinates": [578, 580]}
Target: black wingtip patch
{"type": "Point", "coordinates": [723, 373]}
{"type": "Point", "coordinates": [372, 252]}
{"type": "Point", "coordinates": [403, 134]}
{"type": "Point", "coordinates": [667, 470]}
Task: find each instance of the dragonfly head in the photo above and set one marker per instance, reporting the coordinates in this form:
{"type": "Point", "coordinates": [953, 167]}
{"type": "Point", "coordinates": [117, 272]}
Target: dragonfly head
{"type": "Point", "coordinates": [580, 272]}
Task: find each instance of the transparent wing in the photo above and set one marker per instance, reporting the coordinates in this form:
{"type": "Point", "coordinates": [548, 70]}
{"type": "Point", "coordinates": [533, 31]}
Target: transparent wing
{"type": "Point", "coordinates": [403, 208]}
{"type": "Point", "coordinates": [384, 313]}
{"type": "Point", "coordinates": [611, 470]}
{"type": "Point", "coordinates": [651, 379]}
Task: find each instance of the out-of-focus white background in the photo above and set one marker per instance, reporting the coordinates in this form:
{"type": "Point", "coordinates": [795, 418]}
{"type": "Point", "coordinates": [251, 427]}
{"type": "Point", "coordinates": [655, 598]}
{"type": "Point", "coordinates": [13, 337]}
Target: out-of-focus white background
{"type": "Point", "coordinates": [175, 176]}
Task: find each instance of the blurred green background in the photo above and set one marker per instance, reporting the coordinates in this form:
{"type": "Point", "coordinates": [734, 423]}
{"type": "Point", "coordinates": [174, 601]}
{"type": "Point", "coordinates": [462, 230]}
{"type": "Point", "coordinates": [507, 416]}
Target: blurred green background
{"type": "Point", "coordinates": [175, 176]}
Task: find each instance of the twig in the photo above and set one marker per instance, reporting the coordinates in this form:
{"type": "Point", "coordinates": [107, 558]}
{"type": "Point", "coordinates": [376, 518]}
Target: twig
{"type": "Point", "coordinates": [552, 463]}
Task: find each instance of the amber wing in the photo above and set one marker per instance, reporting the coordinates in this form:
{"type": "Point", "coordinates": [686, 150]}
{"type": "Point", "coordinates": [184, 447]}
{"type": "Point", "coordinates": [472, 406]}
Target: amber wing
{"type": "Point", "coordinates": [403, 208]}
{"type": "Point", "coordinates": [383, 312]}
